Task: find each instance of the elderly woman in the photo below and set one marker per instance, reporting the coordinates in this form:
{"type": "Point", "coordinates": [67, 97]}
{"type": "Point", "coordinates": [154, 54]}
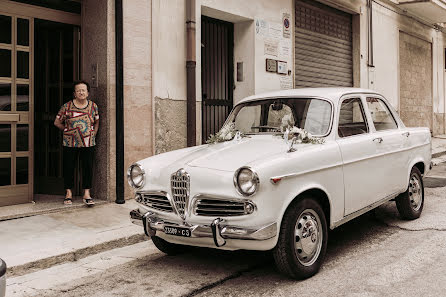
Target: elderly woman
{"type": "Point", "coordinates": [79, 121]}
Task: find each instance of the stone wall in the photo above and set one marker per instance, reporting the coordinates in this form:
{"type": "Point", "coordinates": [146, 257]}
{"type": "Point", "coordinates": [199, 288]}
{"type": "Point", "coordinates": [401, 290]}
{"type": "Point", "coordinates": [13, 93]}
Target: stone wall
{"type": "Point", "coordinates": [170, 125]}
{"type": "Point", "coordinates": [416, 104]}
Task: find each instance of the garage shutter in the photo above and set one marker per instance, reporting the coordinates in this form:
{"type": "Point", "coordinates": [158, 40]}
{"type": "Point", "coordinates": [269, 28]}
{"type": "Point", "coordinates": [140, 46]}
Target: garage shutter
{"type": "Point", "coordinates": [323, 46]}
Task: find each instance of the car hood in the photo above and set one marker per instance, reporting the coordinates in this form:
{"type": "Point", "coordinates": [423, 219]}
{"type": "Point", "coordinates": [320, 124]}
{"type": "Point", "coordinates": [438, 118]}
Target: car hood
{"type": "Point", "coordinates": [231, 155]}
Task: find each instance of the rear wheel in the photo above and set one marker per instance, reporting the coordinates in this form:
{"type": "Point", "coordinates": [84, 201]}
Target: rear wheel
{"type": "Point", "coordinates": [302, 242]}
{"type": "Point", "coordinates": [167, 247]}
{"type": "Point", "coordinates": [410, 203]}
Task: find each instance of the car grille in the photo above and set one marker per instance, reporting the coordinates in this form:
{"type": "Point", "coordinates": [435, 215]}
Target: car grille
{"type": "Point", "coordinates": [179, 182]}
{"type": "Point", "coordinates": [158, 202]}
{"type": "Point", "coordinates": [224, 208]}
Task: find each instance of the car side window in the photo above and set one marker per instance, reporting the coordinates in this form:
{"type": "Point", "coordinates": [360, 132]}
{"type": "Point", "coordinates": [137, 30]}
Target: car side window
{"type": "Point", "coordinates": [381, 115]}
{"type": "Point", "coordinates": [351, 118]}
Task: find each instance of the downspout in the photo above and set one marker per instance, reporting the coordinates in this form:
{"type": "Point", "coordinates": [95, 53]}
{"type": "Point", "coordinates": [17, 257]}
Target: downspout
{"type": "Point", "coordinates": [370, 61]}
{"type": "Point", "coordinates": [119, 104]}
{"type": "Point", "coordinates": [191, 66]}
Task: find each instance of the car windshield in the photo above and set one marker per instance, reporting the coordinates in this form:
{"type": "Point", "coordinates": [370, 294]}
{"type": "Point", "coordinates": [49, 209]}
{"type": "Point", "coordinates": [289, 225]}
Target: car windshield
{"type": "Point", "coordinates": [275, 115]}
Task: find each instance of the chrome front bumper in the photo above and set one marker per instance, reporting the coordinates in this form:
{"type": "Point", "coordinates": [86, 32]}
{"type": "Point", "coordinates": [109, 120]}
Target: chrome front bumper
{"type": "Point", "coordinates": [217, 229]}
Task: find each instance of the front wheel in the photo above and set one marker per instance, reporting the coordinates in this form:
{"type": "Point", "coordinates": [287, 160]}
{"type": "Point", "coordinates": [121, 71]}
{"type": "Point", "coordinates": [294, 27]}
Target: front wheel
{"type": "Point", "coordinates": [302, 243]}
{"type": "Point", "coordinates": [410, 203]}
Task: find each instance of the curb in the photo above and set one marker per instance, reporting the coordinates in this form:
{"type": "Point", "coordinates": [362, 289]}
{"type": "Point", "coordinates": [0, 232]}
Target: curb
{"type": "Point", "coordinates": [73, 256]}
{"type": "Point", "coordinates": [47, 211]}
{"type": "Point", "coordinates": [439, 154]}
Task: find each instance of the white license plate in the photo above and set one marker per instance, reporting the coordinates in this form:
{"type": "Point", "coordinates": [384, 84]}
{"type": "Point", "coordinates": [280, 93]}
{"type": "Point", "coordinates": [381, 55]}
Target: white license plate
{"type": "Point", "coordinates": [177, 231]}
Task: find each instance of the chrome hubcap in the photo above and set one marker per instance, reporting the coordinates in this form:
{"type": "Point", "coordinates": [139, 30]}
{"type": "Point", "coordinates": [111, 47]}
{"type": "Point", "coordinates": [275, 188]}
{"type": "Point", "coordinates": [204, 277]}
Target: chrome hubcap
{"type": "Point", "coordinates": [308, 236]}
{"type": "Point", "coordinates": [415, 192]}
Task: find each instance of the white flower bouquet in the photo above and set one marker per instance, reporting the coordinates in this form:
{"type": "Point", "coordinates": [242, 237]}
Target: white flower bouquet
{"type": "Point", "coordinates": [226, 133]}
{"type": "Point", "coordinates": [302, 136]}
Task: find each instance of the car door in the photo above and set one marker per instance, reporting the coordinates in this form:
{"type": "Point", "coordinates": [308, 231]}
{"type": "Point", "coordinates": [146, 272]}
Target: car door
{"type": "Point", "coordinates": [358, 145]}
{"type": "Point", "coordinates": [391, 145]}
{"type": "Point", "coordinates": [358, 150]}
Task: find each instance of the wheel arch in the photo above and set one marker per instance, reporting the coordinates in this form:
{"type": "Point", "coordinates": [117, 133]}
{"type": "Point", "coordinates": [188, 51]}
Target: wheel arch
{"type": "Point", "coordinates": [319, 195]}
{"type": "Point", "coordinates": [420, 165]}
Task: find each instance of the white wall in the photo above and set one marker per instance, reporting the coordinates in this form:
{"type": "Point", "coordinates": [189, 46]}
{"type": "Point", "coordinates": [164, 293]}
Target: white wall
{"type": "Point", "coordinates": [169, 49]}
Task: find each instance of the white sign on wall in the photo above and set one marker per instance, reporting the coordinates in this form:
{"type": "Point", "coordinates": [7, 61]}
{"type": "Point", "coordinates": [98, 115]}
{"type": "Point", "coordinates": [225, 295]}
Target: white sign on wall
{"type": "Point", "coordinates": [286, 82]}
{"type": "Point", "coordinates": [271, 47]}
{"type": "Point", "coordinates": [262, 27]}
{"type": "Point", "coordinates": [275, 30]}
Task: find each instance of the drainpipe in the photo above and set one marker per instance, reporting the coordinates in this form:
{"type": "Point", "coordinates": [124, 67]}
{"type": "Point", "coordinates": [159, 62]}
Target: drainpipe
{"type": "Point", "coordinates": [191, 66]}
{"type": "Point", "coordinates": [370, 61]}
{"type": "Point", "coordinates": [119, 104]}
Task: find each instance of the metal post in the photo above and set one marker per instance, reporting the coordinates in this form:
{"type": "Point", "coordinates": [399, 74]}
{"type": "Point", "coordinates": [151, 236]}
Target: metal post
{"type": "Point", "coordinates": [119, 104]}
{"type": "Point", "coordinates": [191, 66]}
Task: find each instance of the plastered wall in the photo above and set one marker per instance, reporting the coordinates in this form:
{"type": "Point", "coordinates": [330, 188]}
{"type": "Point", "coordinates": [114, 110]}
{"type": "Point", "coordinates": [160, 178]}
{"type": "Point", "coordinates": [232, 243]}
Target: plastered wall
{"type": "Point", "coordinates": [138, 103]}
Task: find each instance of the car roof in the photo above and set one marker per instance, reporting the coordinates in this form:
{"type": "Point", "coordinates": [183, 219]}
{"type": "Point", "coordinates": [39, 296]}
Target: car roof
{"type": "Point", "coordinates": [333, 94]}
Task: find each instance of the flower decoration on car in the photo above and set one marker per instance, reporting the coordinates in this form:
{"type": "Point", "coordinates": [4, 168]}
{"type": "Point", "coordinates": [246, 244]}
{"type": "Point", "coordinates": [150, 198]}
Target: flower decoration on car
{"type": "Point", "coordinates": [302, 136]}
{"type": "Point", "coordinates": [298, 135]}
{"type": "Point", "coordinates": [226, 133]}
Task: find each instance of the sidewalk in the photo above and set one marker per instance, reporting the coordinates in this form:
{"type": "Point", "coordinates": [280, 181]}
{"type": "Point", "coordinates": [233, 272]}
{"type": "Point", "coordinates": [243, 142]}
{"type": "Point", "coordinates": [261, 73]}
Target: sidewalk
{"type": "Point", "coordinates": [43, 238]}
{"type": "Point", "coordinates": [438, 149]}
{"type": "Point", "coordinates": [32, 243]}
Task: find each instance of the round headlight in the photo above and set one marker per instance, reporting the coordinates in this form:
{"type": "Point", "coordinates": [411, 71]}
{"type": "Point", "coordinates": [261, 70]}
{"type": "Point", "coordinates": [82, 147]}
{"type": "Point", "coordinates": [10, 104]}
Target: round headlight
{"type": "Point", "coordinates": [246, 181]}
{"type": "Point", "coordinates": [135, 176]}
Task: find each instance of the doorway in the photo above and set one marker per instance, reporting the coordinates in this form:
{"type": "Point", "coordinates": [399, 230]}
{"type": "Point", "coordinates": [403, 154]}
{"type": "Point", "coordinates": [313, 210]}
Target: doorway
{"type": "Point", "coordinates": [15, 109]}
{"type": "Point", "coordinates": [217, 78]}
{"type": "Point", "coordinates": [56, 66]}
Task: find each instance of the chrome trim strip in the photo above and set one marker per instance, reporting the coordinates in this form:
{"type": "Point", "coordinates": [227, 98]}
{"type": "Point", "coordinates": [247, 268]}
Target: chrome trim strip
{"type": "Point", "coordinates": [181, 173]}
{"type": "Point", "coordinates": [197, 197]}
{"type": "Point", "coordinates": [364, 210]}
{"type": "Point", "coordinates": [154, 223]}
{"type": "Point", "coordinates": [164, 193]}
{"type": "Point", "coordinates": [301, 173]}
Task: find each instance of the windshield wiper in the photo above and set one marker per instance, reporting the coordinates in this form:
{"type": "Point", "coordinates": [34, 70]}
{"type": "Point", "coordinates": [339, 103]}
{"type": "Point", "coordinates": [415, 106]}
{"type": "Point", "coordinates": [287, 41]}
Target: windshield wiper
{"type": "Point", "coordinates": [274, 129]}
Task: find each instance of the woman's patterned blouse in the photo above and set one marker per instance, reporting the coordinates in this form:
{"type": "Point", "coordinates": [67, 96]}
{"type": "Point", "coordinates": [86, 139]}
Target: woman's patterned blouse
{"type": "Point", "coordinates": [79, 124]}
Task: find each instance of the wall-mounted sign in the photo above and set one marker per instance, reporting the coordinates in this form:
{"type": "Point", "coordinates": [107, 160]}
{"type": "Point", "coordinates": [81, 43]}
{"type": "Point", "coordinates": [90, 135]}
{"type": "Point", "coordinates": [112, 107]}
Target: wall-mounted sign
{"type": "Point", "coordinates": [262, 27]}
{"type": "Point", "coordinates": [286, 25]}
{"type": "Point", "coordinates": [275, 30]}
{"type": "Point", "coordinates": [271, 47]}
{"type": "Point", "coordinates": [271, 65]}
{"type": "Point", "coordinates": [282, 67]}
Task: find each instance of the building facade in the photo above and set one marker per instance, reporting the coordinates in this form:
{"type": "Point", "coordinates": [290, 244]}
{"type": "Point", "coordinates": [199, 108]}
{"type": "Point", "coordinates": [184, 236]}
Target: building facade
{"type": "Point", "coordinates": [186, 63]}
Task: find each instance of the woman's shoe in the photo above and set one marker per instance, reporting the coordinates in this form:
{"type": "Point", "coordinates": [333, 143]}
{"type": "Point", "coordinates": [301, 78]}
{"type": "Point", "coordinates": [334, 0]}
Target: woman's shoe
{"type": "Point", "coordinates": [89, 201]}
{"type": "Point", "coordinates": [68, 201]}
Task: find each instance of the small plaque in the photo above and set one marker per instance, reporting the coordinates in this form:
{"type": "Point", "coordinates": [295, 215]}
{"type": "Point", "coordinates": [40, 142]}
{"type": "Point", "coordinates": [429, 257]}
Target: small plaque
{"type": "Point", "coordinates": [271, 65]}
{"type": "Point", "coordinates": [282, 67]}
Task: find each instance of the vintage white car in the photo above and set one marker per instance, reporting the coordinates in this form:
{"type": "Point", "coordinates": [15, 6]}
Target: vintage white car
{"type": "Point", "coordinates": [285, 167]}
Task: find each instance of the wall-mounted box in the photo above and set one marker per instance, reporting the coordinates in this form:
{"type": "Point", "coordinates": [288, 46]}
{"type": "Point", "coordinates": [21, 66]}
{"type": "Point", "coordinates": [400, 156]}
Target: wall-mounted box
{"type": "Point", "coordinates": [271, 65]}
{"type": "Point", "coordinates": [282, 67]}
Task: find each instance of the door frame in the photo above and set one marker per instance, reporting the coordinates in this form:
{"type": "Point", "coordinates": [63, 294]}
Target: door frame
{"type": "Point", "coordinates": [30, 12]}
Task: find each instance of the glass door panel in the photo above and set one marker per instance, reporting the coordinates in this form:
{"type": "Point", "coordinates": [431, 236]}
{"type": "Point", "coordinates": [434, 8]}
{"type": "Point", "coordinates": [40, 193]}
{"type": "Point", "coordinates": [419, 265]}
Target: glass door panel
{"type": "Point", "coordinates": [15, 110]}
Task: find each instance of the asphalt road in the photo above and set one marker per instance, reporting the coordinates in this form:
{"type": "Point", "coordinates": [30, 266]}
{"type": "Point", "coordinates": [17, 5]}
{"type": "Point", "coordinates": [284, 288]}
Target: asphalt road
{"type": "Point", "coordinates": [375, 255]}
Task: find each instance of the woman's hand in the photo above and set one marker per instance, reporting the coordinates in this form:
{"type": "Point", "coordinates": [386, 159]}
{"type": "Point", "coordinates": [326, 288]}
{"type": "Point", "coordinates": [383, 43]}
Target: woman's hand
{"type": "Point", "coordinates": [59, 124]}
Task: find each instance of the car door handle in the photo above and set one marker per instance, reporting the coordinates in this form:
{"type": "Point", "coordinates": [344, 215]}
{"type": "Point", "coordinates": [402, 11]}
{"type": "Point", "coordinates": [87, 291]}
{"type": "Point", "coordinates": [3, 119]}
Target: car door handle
{"type": "Point", "coordinates": [378, 139]}
{"type": "Point", "coordinates": [406, 134]}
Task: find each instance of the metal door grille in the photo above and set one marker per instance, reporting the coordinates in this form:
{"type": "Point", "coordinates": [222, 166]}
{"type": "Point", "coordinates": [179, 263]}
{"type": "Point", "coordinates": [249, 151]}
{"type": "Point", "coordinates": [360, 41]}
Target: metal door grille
{"type": "Point", "coordinates": [217, 38]}
{"type": "Point", "coordinates": [323, 46]}
{"type": "Point", "coordinates": [179, 182]}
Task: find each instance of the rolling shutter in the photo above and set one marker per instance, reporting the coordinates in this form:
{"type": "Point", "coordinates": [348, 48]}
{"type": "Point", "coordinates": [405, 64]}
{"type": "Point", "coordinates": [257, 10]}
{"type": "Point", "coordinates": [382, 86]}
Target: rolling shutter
{"type": "Point", "coordinates": [323, 46]}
